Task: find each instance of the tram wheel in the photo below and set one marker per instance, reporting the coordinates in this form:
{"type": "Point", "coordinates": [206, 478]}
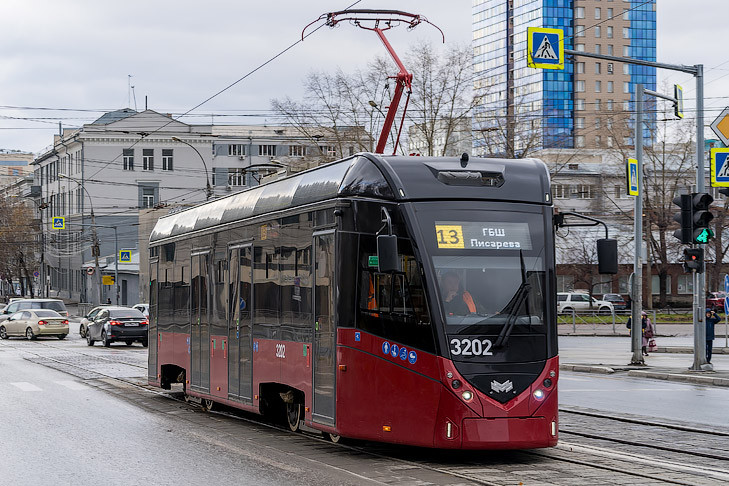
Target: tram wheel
{"type": "Point", "coordinates": [293, 416]}
{"type": "Point", "coordinates": [208, 405]}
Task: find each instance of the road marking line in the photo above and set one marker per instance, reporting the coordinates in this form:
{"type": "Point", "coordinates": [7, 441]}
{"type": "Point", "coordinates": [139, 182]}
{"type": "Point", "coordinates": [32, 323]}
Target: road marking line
{"type": "Point", "coordinates": [73, 385]}
{"type": "Point", "coordinates": [25, 386]}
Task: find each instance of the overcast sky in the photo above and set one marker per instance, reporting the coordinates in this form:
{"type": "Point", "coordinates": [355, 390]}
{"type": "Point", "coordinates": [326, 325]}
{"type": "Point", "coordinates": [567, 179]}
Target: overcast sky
{"type": "Point", "coordinates": [75, 55]}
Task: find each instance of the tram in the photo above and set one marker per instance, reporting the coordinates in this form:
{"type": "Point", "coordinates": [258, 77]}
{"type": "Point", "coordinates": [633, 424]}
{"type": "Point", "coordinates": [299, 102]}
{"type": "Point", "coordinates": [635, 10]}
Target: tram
{"type": "Point", "coordinates": [399, 299]}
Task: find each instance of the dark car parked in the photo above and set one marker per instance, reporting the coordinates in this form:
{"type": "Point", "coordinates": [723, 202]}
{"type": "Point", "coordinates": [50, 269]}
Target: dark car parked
{"type": "Point", "coordinates": [617, 301]}
{"type": "Point", "coordinates": [715, 301]}
{"type": "Point", "coordinates": [118, 324]}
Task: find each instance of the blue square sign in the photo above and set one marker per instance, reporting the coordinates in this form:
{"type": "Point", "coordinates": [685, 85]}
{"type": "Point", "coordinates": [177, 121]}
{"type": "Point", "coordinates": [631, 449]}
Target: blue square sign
{"type": "Point", "coordinates": [720, 167]}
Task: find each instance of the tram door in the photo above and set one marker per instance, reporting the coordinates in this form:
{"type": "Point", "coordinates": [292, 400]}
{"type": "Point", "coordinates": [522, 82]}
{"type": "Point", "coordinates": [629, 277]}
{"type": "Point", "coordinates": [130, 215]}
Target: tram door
{"type": "Point", "coordinates": [324, 346]}
{"type": "Point", "coordinates": [199, 322]}
{"type": "Point", "coordinates": [240, 364]}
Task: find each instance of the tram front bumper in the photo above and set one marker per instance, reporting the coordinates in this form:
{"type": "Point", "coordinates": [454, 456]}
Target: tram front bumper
{"type": "Point", "coordinates": [508, 433]}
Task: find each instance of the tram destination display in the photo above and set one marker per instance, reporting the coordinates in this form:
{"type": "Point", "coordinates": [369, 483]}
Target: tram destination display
{"type": "Point", "coordinates": [482, 235]}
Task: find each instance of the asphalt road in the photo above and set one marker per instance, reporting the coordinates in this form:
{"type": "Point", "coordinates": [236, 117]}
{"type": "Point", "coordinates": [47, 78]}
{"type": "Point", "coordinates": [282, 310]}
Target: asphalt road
{"type": "Point", "coordinates": [57, 430]}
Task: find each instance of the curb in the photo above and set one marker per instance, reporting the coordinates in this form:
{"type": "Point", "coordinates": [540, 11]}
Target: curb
{"type": "Point", "coordinates": [687, 350]}
{"type": "Point", "coordinates": [683, 377]}
{"type": "Point", "coordinates": [604, 370]}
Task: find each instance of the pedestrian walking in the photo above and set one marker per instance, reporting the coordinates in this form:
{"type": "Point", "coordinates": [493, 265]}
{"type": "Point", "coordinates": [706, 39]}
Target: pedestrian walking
{"type": "Point", "coordinates": [711, 320]}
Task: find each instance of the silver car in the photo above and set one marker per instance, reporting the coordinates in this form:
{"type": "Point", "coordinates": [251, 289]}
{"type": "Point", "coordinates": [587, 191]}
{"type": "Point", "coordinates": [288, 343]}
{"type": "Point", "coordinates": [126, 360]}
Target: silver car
{"type": "Point", "coordinates": [33, 323]}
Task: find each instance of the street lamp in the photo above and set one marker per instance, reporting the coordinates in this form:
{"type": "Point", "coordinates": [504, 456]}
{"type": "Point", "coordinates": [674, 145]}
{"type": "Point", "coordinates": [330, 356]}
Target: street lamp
{"type": "Point", "coordinates": [208, 189]}
{"type": "Point", "coordinates": [95, 249]}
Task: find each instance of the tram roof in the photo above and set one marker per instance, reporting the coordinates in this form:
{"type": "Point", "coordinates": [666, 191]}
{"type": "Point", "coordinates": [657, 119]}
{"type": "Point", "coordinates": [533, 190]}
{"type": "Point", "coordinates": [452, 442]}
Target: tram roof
{"type": "Point", "coordinates": [395, 178]}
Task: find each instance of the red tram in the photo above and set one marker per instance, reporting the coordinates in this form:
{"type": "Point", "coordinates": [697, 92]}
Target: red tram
{"type": "Point", "coordinates": [400, 299]}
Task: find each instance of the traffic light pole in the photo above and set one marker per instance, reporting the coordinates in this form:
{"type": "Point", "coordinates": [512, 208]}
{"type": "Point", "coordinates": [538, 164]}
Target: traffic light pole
{"type": "Point", "coordinates": [697, 71]}
{"type": "Point", "coordinates": [636, 307]}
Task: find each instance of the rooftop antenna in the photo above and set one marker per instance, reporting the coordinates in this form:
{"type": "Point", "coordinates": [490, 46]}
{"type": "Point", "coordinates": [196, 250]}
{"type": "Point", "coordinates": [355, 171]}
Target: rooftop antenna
{"type": "Point", "coordinates": [129, 90]}
{"type": "Point", "coordinates": [379, 21]}
{"type": "Point", "coordinates": [134, 94]}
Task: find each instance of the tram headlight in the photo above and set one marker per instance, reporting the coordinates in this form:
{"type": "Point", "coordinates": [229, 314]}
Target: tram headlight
{"type": "Point", "coordinates": [467, 395]}
{"type": "Point", "coordinates": [538, 394]}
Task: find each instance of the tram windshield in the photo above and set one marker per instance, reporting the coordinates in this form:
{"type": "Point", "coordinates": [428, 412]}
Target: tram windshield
{"type": "Point", "coordinates": [490, 268]}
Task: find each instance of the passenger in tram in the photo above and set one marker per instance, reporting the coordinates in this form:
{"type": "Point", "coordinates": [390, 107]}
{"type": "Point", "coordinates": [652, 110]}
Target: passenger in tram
{"type": "Point", "coordinates": [456, 300]}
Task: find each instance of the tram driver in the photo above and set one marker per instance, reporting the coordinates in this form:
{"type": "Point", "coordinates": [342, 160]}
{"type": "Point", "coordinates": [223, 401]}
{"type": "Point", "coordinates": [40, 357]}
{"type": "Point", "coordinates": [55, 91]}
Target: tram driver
{"type": "Point", "coordinates": [456, 300]}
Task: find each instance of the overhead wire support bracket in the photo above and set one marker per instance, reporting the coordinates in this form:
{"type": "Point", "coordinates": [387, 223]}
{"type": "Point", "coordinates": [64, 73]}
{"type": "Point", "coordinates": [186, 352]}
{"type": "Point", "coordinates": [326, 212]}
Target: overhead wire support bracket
{"type": "Point", "coordinates": [379, 21]}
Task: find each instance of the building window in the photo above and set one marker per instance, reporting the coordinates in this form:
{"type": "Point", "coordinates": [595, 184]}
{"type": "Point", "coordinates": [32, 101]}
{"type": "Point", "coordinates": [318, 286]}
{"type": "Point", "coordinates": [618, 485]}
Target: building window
{"type": "Point", "coordinates": [148, 195]}
{"type": "Point", "coordinates": [610, 50]}
{"type": "Point", "coordinates": [580, 86]}
{"type": "Point", "coordinates": [598, 105]}
{"type": "Point", "coordinates": [237, 149]}
{"type": "Point", "coordinates": [128, 159]}
{"type": "Point", "coordinates": [610, 121]}
{"type": "Point", "coordinates": [610, 89]}
{"type": "Point", "coordinates": [620, 191]}
{"type": "Point", "coordinates": [626, 32]}
{"type": "Point", "coordinates": [610, 13]}
{"type": "Point", "coordinates": [655, 284]}
{"type": "Point", "coordinates": [597, 32]}
{"type": "Point", "coordinates": [598, 86]}
{"type": "Point", "coordinates": [236, 177]}
{"type": "Point", "coordinates": [580, 141]}
{"type": "Point", "coordinates": [598, 12]}
{"type": "Point", "coordinates": [147, 159]}
{"type": "Point", "coordinates": [166, 159]}
{"type": "Point", "coordinates": [598, 67]}
{"type": "Point", "coordinates": [626, 15]}
{"type": "Point", "coordinates": [609, 32]}
{"type": "Point", "coordinates": [579, 122]}
{"type": "Point", "coordinates": [626, 51]}
{"type": "Point", "coordinates": [331, 151]}
{"type": "Point", "coordinates": [585, 191]}
{"type": "Point", "coordinates": [597, 48]}
{"type": "Point", "coordinates": [579, 12]}
{"type": "Point", "coordinates": [579, 31]}
{"type": "Point", "coordinates": [560, 191]}
{"type": "Point", "coordinates": [626, 87]}
{"type": "Point", "coordinates": [597, 123]}
{"type": "Point", "coordinates": [579, 105]}
{"type": "Point", "coordinates": [626, 69]}
{"type": "Point", "coordinates": [580, 48]}
{"type": "Point", "coordinates": [626, 105]}
{"type": "Point", "coordinates": [598, 140]}
{"type": "Point", "coordinates": [624, 284]}
{"type": "Point", "coordinates": [580, 68]}
{"type": "Point", "coordinates": [685, 284]}
{"type": "Point", "coordinates": [565, 283]}
{"type": "Point", "coordinates": [296, 150]}
{"type": "Point", "coordinates": [604, 285]}
{"type": "Point", "coordinates": [269, 150]}
{"type": "Point", "coordinates": [626, 141]}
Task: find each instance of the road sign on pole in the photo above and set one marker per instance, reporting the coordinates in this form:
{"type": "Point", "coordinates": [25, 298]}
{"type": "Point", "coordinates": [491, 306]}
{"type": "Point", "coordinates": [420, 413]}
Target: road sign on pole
{"type": "Point", "coordinates": [720, 167]}
{"type": "Point", "coordinates": [125, 256]}
{"type": "Point", "coordinates": [721, 126]}
{"type": "Point", "coordinates": [545, 48]}
{"type": "Point", "coordinates": [632, 177]}
{"type": "Point", "coordinates": [59, 222]}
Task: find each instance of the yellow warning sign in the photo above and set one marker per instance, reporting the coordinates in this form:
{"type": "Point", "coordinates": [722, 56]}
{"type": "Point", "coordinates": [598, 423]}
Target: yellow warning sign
{"type": "Point", "coordinates": [107, 280]}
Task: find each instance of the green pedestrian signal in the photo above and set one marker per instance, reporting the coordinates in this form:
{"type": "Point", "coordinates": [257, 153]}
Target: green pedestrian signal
{"type": "Point", "coordinates": [704, 236]}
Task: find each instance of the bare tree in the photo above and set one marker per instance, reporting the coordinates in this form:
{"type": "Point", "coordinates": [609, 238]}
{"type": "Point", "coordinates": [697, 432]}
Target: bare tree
{"type": "Point", "coordinates": [18, 244]}
{"type": "Point", "coordinates": [441, 97]}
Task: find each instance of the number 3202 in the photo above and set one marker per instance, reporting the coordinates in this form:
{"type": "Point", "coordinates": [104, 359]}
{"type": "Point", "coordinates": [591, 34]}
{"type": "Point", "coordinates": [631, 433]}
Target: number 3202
{"type": "Point", "coordinates": [471, 347]}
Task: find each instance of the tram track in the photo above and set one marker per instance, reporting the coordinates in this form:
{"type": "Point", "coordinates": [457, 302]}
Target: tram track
{"type": "Point", "coordinates": [586, 456]}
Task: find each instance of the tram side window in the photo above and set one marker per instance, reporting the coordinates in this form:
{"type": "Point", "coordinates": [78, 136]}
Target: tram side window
{"type": "Point", "coordinates": [166, 298]}
{"type": "Point", "coordinates": [393, 306]}
{"type": "Point", "coordinates": [182, 298]}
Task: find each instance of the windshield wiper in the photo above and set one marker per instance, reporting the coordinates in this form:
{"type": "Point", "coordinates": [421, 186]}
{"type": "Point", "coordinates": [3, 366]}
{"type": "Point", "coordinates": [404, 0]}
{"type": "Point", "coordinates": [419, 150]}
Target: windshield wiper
{"type": "Point", "coordinates": [520, 298]}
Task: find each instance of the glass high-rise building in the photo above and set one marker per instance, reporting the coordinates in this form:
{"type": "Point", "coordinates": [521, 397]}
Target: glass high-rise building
{"type": "Point", "coordinates": [588, 104]}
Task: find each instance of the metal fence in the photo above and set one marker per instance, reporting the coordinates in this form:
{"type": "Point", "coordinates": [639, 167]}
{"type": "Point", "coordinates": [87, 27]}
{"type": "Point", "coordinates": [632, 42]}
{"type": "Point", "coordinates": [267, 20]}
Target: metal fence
{"type": "Point", "coordinates": [594, 320]}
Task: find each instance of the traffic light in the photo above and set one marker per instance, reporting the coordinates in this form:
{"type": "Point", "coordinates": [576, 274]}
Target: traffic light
{"type": "Point", "coordinates": [678, 103]}
{"type": "Point", "coordinates": [683, 218]}
{"type": "Point", "coordinates": [700, 217]}
{"type": "Point", "coordinates": [693, 259]}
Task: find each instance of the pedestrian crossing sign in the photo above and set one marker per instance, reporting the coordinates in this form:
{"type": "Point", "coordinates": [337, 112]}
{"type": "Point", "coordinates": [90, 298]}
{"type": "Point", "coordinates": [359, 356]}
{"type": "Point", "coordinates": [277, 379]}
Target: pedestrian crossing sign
{"type": "Point", "coordinates": [59, 222]}
{"type": "Point", "coordinates": [720, 167]}
{"type": "Point", "coordinates": [125, 256]}
{"type": "Point", "coordinates": [545, 48]}
{"type": "Point", "coordinates": [632, 178]}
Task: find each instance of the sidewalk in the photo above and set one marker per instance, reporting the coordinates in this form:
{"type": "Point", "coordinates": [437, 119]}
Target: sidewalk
{"type": "Point", "coordinates": [611, 355]}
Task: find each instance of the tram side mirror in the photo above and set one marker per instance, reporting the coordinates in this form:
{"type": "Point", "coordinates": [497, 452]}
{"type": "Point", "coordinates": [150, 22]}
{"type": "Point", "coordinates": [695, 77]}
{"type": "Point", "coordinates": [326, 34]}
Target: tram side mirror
{"type": "Point", "coordinates": [607, 256]}
{"type": "Point", "coordinates": [387, 259]}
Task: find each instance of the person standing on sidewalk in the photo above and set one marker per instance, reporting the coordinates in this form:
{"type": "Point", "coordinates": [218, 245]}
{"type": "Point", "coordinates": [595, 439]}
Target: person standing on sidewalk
{"type": "Point", "coordinates": [647, 331]}
{"type": "Point", "coordinates": [711, 320]}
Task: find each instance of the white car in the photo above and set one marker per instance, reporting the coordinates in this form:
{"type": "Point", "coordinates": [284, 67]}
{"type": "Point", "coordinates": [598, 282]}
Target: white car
{"type": "Point", "coordinates": [567, 302]}
{"type": "Point", "coordinates": [143, 308]}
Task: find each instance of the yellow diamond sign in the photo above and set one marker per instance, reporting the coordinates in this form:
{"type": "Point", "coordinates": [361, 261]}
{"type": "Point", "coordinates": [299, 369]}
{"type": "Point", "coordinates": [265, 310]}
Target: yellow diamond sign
{"type": "Point", "coordinates": [721, 126]}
